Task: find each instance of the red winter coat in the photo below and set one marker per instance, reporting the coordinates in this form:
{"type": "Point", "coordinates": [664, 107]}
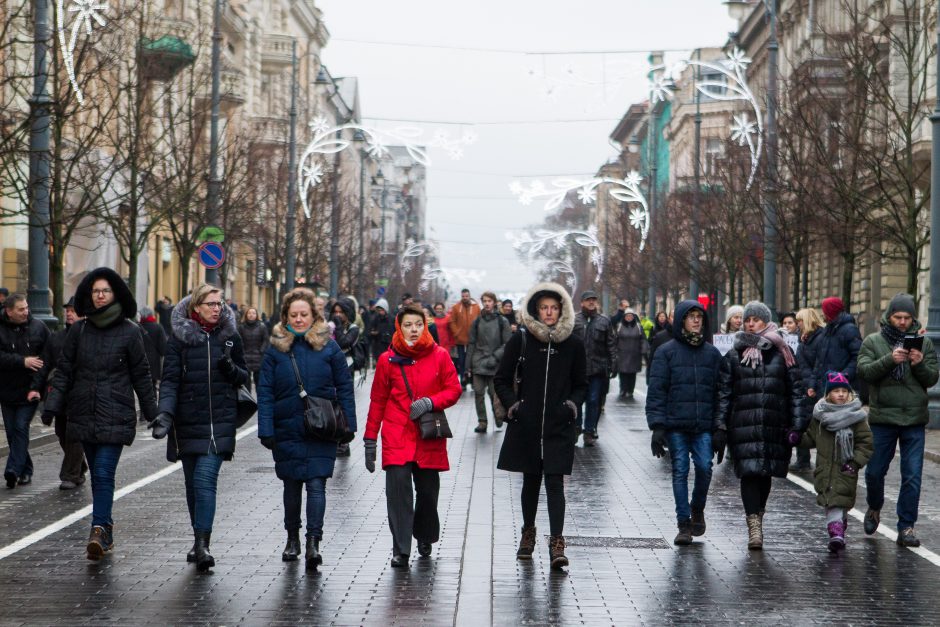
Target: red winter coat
{"type": "Point", "coordinates": [433, 376]}
{"type": "Point", "coordinates": [445, 339]}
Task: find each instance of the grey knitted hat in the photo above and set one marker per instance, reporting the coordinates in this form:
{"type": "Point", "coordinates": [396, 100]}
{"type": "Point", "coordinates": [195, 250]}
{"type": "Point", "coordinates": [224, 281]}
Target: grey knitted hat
{"type": "Point", "coordinates": [757, 309]}
{"type": "Point", "coordinates": [901, 302]}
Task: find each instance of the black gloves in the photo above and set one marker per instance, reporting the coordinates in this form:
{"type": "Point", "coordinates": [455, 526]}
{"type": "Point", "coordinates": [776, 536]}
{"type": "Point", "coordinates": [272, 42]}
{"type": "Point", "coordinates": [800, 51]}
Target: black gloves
{"type": "Point", "coordinates": [574, 409]}
{"type": "Point", "coordinates": [420, 407]}
{"type": "Point", "coordinates": [370, 455]}
{"type": "Point", "coordinates": [47, 417]}
{"type": "Point", "coordinates": [511, 412]}
{"type": "Point", "coordinates": [719, 442]}
{"type": "Point", "coordinates": [161, 425]}
{"type": "Point", "coordinates": [658, 443]}
{"type": "Point", "coordinates": [227, 367]}
{"type": "Point", "coordinates": [268, 442]}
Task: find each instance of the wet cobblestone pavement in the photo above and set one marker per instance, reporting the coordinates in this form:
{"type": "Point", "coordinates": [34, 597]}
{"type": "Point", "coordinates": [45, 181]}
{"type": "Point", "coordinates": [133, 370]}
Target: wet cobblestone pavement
{"type": "Point", "coordinates": [624, 568]}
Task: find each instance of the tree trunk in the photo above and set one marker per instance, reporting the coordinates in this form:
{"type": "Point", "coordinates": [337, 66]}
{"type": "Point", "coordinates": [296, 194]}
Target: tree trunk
{"type": "Point", "coordinates": [848, 269]}
{"type": "Point", "coordinates": [57, 282]}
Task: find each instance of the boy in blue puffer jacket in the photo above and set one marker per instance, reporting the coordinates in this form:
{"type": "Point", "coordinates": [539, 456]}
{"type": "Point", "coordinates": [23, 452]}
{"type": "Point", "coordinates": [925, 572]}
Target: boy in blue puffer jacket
{"type": "Point", "coordinates": [680, 409]}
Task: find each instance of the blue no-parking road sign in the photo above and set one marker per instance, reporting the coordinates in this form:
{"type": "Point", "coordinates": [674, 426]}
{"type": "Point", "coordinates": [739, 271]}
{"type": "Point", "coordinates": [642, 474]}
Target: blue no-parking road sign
{"type": "Point", "coordinates": [211, 255]}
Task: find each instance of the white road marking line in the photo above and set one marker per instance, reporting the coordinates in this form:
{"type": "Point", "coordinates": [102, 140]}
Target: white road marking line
{"type": "Point", "coordinates": [74, 517]}
{"type": "Point", "coordinates": [887, 532]}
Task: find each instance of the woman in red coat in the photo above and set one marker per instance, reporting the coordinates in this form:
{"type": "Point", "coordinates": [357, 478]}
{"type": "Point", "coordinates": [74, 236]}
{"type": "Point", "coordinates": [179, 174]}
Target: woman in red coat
{"type": "Point", "coordinates": [405, 456]}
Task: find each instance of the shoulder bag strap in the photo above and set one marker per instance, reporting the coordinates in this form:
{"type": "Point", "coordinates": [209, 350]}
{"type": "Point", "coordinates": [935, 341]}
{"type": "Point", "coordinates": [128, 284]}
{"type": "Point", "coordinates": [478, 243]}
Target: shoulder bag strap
{"type": "Point", "coordinates": [300, 383]}
{"type": "Point", "coordinates": [405, 377]}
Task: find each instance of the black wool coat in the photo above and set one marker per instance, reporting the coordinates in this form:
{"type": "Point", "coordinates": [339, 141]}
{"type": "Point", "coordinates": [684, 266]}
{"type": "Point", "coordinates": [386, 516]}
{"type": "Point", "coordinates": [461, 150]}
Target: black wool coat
{"type": "Point", "coordinates": [100, 369]}
{"type": "Point", "coordinates": [202, 401]}
{"type": "Point", "coordinates": [541, 436]}
{"type": "Point", "coordinates": [759, 406]}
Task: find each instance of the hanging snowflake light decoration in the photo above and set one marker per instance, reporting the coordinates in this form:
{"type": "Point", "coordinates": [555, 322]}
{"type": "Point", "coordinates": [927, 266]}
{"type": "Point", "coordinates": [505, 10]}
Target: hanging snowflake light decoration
{"type": "Point", "coordinates": [413, 251]}
{"type": "Point", "coordinates": [626, 190]}
{"type": "Point", "coordinates": [459, 276]}
{"type": "Point", "coordinates": [85, 12]}
{"type": "Point", "coordinates": [531, 244]}
{"type": "Point", "coordinates": [328, 140]}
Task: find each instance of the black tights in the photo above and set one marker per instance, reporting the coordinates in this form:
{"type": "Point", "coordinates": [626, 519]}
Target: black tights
{"type": "Point", "coordinates": [754, 493]}
{"type": "Point", "coordinates": [554, 491]}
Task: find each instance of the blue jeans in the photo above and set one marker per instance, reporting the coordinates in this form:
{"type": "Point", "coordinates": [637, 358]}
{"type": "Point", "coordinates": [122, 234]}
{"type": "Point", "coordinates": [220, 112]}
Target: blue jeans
{"type": "Point", "coordinates": [102, 465]}
{"type": "Point", "coordinates": [316, 505]}
{"type": "Point", "coordinates": [682, 445]}
{"type": "Point", "coordinates": [201, 473]}
{"type": "Point", "coordinates": [16, 419]}
{"type": "Point", "coordinates": [912, 464]}
{"type": "Point", "coordinates": [592, 404]}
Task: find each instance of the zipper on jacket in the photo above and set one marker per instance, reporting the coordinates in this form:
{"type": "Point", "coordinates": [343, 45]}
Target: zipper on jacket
{"type": "Point", "coordinates": [548, 360]}
{"type": "Point", "coordinates": [212, 444]}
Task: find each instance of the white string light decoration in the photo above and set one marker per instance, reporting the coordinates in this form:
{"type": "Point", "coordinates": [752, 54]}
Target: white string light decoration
{"type": "Point", "coordinates": [86, 12]}
{"type": "Point", "coordinates": [532, 244]}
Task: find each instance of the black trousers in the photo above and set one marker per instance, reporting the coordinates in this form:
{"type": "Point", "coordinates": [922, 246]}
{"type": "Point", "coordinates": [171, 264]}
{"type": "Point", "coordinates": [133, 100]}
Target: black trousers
{"type": "Point", "coordinates": [255, 378]}
{"type": "Point", "coordinates": [412, 513]}
{"type": "Point", "coordinates": [754, 493]}
{"type": "Point", "coordinates": [555, 494]}
{"type": "Point", "coordinates": [627, 382]}
{"type": "Point", "coordinates": [73, 462]}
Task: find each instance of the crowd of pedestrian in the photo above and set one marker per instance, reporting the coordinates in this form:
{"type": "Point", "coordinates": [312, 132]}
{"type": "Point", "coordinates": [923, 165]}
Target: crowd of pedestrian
{"type": "Point", "coordinates": [811, 383]}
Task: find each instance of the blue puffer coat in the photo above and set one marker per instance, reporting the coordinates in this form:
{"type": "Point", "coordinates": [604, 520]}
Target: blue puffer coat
{"type": "Point", "coordinates": [202, 401]}
{"type": "Point", "coordinates": [323, 370]}
{"type": "Point", "coordinates": [836, 349]}
{"type": "Point", "coordinates": [683, 381]}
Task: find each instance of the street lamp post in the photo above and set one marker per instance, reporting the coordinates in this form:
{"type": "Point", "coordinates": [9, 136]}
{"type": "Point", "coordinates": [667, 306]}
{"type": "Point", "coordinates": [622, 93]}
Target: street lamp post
{"type": "Point", "coordinates": [653, 169]}
{"type": "Point", "coordinates": [696, 192]}
{"type": "Point", "coordinates": [290, 259]}
{"type": "Point", "coordinates": [359, 137]}
{"type": "Point", "coordinates": [214, 184]}
{"type": "Point", "coordinates": [39, 157]}
{"type": "Point", "coordinates": [933, 311]}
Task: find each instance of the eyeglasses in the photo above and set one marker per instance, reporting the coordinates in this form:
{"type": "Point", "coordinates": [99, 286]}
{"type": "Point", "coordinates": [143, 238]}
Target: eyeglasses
{"type": "Point", "coordinates": [213, 305]}
{"type": "Point", "coordinates": [695, 316]}
{"type": "Point", "coordinates": [103, 292]}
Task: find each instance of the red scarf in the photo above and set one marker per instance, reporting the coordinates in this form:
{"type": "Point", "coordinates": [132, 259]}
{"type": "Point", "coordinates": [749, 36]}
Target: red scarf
{"type": "Point", "coordinates": [206, 326]}
{"type": "Point", "coordinates": [422, 347]}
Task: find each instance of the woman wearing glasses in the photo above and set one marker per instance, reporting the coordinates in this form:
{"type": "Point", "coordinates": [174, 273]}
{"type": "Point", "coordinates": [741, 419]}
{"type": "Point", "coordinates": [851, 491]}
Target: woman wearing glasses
{"type": "Point", "coordinates": [102, 364]}
{"type": "Point", "coordinates": [203, 367]}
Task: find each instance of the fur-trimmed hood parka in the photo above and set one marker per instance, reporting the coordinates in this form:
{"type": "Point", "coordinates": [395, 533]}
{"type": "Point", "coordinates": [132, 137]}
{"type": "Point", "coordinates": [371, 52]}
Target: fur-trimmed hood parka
{"type": "Point", "coordinates": [102, 365]}
{"type": "Point", "coordinates": [323, 370]}
{"type": "Point", "coordinates": [202, 400]}
{"type": "Point", "coordinates": [552, 369]}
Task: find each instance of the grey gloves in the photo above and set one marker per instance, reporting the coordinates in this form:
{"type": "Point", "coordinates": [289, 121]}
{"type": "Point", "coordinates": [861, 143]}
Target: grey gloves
{"type": "Point", "coordinates": [370, 455]}
{"type": "Point", "coordinates": [420, 407]}
{"type": "Point", "coordinates": [161, 425]}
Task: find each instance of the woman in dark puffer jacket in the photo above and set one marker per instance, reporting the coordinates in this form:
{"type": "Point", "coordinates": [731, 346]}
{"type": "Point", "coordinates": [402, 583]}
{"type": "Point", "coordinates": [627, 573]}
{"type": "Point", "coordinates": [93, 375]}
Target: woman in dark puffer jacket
{"type": "Point", "coordinates": [762, 402]}
{"type": "Point", "coordinates": [203, 368]}
{"type": "Point", "coordinates": [254, 336]}
{"type": "Point", "coordinates": [102, 364]}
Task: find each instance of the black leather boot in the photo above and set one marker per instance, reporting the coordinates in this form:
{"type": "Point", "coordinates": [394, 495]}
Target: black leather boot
{"type": "Point", "coordinates": [292, 550]}
{"type": "Point", "coordinates": [313, 557]}
{"type": "Point", "coordinates": [191, 556]}
{"type": "Point", "coordinates": [204, 561]}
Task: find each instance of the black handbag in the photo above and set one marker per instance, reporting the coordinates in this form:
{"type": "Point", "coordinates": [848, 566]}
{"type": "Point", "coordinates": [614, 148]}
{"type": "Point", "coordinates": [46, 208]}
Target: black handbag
{"type": "Point", "coordinates": [247, 406]}
{"type": "Point", "coordinates": [323, 419]}
{"type": "Point", "coordinates": [432, 425]}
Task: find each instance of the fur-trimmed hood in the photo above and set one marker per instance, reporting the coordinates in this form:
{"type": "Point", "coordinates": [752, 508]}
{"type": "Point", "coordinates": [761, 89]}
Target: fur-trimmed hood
{"type": "Point", "coordinates": [529, 314]}
{"type": "Point", "coordinates": [317, 336]}
{"type": "Point", "coordinates": [188, 331]}
{"type": "Point", "coordinates": [122, 294]}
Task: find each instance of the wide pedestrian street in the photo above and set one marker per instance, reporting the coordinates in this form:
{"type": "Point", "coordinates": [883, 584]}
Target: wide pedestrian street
{"type": "Point", "coordinates": [620, 524]}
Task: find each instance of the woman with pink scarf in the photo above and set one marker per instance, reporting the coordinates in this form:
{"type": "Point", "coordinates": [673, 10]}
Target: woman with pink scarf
{"type": "Point", "coordinates": [763, 405]}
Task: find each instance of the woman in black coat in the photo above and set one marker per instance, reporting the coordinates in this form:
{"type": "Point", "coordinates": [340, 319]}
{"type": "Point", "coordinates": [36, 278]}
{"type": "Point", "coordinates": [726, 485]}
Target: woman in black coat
{"type": "Point", "coordinates": [204, 366]}
{"type": "Point", "coordinates": [254, 336]}
{"type": "Point", "coordinates": [543, 409]}
{"type": "Point", "coordinates": [762, 404]}
{"type": "Point", "coordinates": [102, 365]}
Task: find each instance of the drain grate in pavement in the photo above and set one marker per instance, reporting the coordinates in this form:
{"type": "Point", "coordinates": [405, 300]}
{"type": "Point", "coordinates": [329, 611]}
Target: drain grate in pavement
{"type": "Point", "coordinates": [616, 542]}
{"type": "Point", "coordinates": [261, 469]}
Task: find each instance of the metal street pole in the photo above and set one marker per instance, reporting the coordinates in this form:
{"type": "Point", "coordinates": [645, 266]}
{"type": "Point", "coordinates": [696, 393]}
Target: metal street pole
{"type": "Point", "coordinates": [696, 193]}
{"type": "Point", "coordinates": [214, 182]}
{"type": "Point", "coordinates": [770, 194]}
{"type": "Point", "coordinates": [290, 259]}
{"type": "Point", "coordinates": [334, 227]}
{"type": "Point", "coordinates": [933, 311]}
{"type": "Point", "coordinates": [39, 158]}
{"type": "Point", "coordinates": [362, 205]}
{"type": "Point", "coordinates": [653, 168]}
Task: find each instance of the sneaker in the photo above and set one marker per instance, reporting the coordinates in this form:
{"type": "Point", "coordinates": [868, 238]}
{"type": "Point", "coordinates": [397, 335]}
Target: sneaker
{"type": "Point", "coordinates": [684, 537]}
{"type": "Point", "coordinates": [872, 518]}
{"type": "Point", "coordinates": [698, 522]}
{"type": "Point", "coordinates": [11, 479]}
{"type": "Point", "coordinates": [480, 428]}
{"type": "Point", "coordinates": [588, 438]}
{"type": "Point", "coordinates": [25, 480]}
{"type": "Point", "coordinates": [68, 485]}
{"type": "Point", "coordinates": [836, 536]}
{"type": "Point", "coordinates": [100, 541]}
{"type": "Point", "coordinates": [907, 538]}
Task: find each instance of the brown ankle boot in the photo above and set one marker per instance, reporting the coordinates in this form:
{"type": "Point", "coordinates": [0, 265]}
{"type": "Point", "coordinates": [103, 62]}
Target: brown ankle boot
{"type": "Point", "coordinates": [556, 550]}
{"type": "Point", "coordinates": [755, 533]}
{"type": "Point", "coordinates": [526, 544]}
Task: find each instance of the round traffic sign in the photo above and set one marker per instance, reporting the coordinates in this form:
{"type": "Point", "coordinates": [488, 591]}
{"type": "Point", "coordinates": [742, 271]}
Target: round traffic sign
{"type": "Point", "coordinates": [211, 255]}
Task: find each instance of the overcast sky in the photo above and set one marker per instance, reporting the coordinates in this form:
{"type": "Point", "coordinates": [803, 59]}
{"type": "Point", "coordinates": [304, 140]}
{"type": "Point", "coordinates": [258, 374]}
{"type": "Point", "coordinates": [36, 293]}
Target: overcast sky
{"type": "Point", "coordinates": [534, 115]}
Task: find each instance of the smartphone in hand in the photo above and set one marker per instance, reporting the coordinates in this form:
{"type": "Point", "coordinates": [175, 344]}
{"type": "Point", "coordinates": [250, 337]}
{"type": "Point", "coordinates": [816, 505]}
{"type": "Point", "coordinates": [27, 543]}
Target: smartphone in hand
{"type": "Point", "coordinates": [914, 342]}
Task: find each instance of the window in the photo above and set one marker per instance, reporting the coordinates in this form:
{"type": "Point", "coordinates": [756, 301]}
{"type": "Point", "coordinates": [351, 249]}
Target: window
{"type": "Point", "coordinates": [714, 151]}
